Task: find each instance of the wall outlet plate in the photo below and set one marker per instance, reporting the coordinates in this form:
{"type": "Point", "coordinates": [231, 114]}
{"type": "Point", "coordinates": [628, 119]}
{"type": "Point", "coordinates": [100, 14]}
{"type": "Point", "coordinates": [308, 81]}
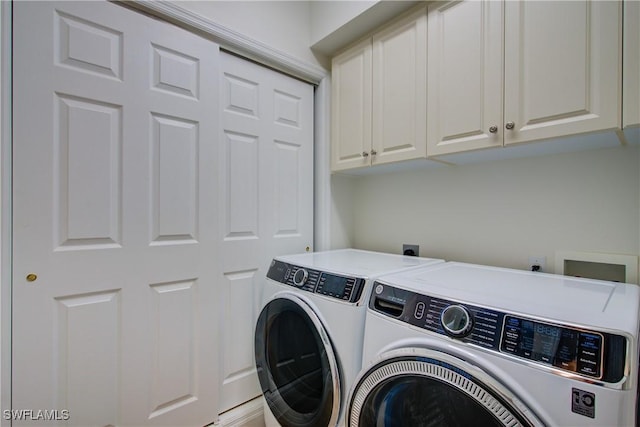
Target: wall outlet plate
{"type": "Point", "coordinates": [539, 260]}
{"type": "Point", "coordinates": [411, 250]}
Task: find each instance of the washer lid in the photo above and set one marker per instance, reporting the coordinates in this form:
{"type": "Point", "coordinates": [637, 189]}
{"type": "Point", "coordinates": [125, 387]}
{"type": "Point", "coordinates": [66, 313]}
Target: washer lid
{"type": "Point", "coordinates": [355, 262]}
{"type": "Point", "coordinates": [569, 299]}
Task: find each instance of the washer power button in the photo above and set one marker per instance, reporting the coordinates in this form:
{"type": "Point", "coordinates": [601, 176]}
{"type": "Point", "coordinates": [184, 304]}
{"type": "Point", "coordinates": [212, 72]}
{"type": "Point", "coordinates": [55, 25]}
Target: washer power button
{"type": "Point", "coordinates": [420, 309]}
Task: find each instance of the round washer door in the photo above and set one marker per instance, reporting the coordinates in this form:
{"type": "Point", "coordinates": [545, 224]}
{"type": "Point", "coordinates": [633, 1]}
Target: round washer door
{"type": "Point", "coordinates": [296, 364]}
{"type": "Point", "coordinates": [427, 388]}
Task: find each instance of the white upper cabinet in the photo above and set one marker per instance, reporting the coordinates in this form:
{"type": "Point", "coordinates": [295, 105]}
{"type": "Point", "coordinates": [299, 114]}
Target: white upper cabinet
{"type": "Point", "coordinates": [562, 68]}
{"type": "Point", "coordinates": [558, 72]}
{"type": "Point", "coordinates": [465, 57]}
{"type": "Point", "coordinates": [400, 91]}
{"type": "Point", "coordinates": [631, 63]}
{"type": "Point", "coordinates": [379, 96]}
{"type": "Point", "coordinates": [351, 107]}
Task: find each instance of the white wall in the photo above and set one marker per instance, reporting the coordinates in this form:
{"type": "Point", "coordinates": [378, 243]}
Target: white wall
{"type": "Point", "coordinates": [500, 213]}
{"type": "Point", "coordinates": [328, 16]}
{"type": "Point", "coordinates": [335, 24]}
{"type": "Point", "coordinates": [343, 211]}
{"type": "Point", "coordinates": [281, 25]}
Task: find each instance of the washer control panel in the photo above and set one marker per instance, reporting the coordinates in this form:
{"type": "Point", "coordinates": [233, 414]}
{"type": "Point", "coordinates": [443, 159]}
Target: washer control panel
{"type": "Point", "coordinates": [570, 349]}
{"type": "Point", "coordinates": [585, 352]}
{"type": "Point", "coordinates": [343, 288]}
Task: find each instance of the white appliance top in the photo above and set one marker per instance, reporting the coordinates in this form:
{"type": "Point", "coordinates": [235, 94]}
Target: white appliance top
{"type": "Point", "coordinates": [355, 262]}
{"type": "Point", "coordinates": [561, 298]}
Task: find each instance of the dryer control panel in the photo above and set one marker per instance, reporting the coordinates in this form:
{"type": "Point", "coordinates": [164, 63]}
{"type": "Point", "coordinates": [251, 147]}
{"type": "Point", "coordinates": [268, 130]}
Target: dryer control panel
{"type": "Point", "coordinates": [585, 352]}
{"type": "Point", "coordinates": [343, 288]}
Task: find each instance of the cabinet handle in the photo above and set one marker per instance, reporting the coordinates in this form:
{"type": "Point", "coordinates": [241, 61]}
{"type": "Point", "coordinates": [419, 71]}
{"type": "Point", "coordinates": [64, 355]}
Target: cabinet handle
{"type": "Point", "coordinates": [510, 125]}
{"type": "Point", "coordinates": [493, 129]}
{"type": "Point", "coordinates": [365, 154]}
{"type": "Point", "coordinates": [374, 152]}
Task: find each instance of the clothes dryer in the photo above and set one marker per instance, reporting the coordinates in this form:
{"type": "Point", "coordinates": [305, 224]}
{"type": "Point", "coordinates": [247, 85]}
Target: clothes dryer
{"type": "Point", "coordinates": [308, 337]}
{"type": "Point", "coordinates": [462, 344]}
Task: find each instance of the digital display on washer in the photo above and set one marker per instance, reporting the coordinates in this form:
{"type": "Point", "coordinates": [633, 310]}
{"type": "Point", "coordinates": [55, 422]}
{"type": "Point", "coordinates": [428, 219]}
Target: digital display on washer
{"type": "Point", "coordinates": [566, 348]}
{"type": "Point", "coordinates": [333, 285]}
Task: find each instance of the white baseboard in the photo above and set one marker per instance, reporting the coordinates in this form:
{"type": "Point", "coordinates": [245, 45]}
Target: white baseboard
{"type": "Point", "coordinates": [249, 414]}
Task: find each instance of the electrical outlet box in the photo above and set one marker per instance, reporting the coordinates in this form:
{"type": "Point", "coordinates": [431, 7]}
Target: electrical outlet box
{"type": "Point", "coordinates": [540, 261]}
{"type": "Point", "coordinates": [411, 250]}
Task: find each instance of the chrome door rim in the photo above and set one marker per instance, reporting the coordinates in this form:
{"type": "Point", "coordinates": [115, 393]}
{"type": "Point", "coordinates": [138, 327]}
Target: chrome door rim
{"type": "Point", "coordinates": [328, 347]}
{"type": "Point", "coordinates": [443, 367]}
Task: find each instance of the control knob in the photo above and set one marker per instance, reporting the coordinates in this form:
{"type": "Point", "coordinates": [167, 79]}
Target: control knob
{"type": "Point", "coordinates": [300, 277]}
{"type": "Point", "coordinates": [456, 321]}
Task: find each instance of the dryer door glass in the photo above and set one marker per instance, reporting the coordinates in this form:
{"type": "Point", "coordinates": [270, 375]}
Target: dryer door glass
{"type": "Point", "coordinates": [296, 366]}
{"type": "Point", "coordinates": [416, 391]}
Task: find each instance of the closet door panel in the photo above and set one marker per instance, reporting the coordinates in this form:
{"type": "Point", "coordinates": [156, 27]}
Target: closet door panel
{"type": "Point", "coordinates": [266, 175]}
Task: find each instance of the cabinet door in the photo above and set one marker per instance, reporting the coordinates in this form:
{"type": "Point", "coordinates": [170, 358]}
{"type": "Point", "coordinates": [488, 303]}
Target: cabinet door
{"type": "Point", "coordinates": [562, 68]}
{"type": "Point", "coordinates": [464, 76]}
{"type": "Point", "coordinates": [351, 107]}
{"type": "Point", "coordinates": [399, 90]}
{"type": "Point", "coordinates": [631, 61]}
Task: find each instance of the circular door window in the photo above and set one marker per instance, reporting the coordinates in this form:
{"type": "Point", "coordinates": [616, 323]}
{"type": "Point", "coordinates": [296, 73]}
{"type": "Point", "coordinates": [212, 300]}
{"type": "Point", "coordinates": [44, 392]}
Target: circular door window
{"type": "Point", "coordinates": [425, 391]}
{"type": "Point", "coordinates": [296, 364]}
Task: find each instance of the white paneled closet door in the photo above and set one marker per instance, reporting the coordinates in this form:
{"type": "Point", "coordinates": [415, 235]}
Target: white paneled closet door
{"type": "Point", "coordinates": [115, 217]}
{"type": "Point", "coordinates": [266, 175]}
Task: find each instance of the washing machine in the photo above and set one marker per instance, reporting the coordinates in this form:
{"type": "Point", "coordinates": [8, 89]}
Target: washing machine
{"type": "Point", "coordinates": [469, 345]}
{"type": "Point", "coordinates": [308, 337]}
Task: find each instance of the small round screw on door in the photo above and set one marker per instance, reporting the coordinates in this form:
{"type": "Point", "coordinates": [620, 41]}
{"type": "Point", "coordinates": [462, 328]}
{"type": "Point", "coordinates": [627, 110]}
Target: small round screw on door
{"type": "Point", "coordinates": [31, 277]}
{"type": "Point", "coordinates": [374, 152]}
{"type": "Point", "coordinates": [493, 129]}
{"type": "Point", "coordinates": [510, 125]}
{"type": "Point", "coordinates": [365, 154]}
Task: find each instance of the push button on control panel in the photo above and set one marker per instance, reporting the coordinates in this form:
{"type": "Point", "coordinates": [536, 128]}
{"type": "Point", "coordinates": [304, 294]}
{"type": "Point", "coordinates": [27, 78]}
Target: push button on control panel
{"type": "Point", "coordinates": [589, 347]}
{"type": "Point", "coordinates": [420, 309]}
